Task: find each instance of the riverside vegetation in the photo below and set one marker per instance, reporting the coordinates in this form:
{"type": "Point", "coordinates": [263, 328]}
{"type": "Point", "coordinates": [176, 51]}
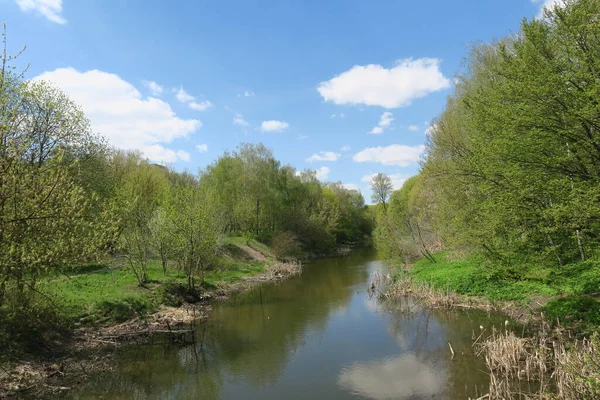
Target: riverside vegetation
{"type": "Point", "coordinates": [506, 206]}
{"type": "Point", "coordinates": [91, 235]}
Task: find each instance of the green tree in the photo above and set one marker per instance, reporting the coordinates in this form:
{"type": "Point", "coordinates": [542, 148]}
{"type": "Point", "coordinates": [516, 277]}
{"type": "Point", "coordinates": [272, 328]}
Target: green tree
{"type": "Point", "coordinates": [382, 187]}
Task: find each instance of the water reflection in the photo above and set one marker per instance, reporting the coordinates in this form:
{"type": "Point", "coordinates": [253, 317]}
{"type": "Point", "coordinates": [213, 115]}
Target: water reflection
{"type": "Point", "coordinates": [398, 377]}
{"type": "Point", "coordinates": [318, 335]}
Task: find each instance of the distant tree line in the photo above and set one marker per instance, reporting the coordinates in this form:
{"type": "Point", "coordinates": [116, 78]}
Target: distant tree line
{"type": "Point", "coordinates": [512, 165]}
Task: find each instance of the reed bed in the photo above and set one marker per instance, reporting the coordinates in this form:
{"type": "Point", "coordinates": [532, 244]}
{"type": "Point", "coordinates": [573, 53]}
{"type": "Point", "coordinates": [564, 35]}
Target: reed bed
{"type": "Point", "coordinates": [548, 365]}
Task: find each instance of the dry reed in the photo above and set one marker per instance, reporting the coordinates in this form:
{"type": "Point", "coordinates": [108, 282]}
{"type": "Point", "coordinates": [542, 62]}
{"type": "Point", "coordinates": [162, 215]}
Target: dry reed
{"type": "Point", "coordinates": [547, 365]}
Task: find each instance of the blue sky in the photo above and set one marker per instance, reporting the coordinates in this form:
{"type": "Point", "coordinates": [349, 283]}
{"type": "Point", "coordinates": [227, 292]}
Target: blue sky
{"type": "Point", "coordinates": [347, 88]}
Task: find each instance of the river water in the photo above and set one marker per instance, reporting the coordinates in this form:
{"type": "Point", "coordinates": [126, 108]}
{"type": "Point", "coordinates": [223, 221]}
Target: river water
{"type": "Point", "coordinates": [316, 336]}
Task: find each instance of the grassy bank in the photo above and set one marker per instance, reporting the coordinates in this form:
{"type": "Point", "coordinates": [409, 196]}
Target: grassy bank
{"type": "Point", "coordinates": [568, 294]}
{"type": "Point", "coordinates": [109, 292]}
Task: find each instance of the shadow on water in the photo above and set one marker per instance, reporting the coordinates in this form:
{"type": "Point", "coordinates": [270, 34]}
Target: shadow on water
{"type": "Point", "coordinates": [319, 335]}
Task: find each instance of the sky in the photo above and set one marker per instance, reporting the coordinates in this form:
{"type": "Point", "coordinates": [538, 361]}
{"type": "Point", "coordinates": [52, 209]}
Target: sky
{"type": "Point", "coordinates": [347, 88]}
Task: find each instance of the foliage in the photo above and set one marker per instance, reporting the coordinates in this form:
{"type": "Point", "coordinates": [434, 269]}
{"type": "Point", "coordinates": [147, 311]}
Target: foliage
{"type": "Point", "coordinates": [382, 187]}
{"type": "Point", "coordinates": [284, 244]}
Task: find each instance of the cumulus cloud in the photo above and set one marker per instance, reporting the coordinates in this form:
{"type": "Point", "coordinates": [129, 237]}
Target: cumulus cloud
{"type": "Point", "coordinates": [246, 93]}
{"type": "Point", "coordinates": [384, 122]}
{"type": "Point", "coordinates": [322, 173]}
{"type": "Point", "coordinates": [202, 106]}
{"type": "Point", "coordinates": [240, 121]}
{"type": "Point", "coordinates": [395, 154]}
{"type": "Point", "coordinates": [118, 111]}
{"type": "Point", "coordinates": [399, 377]}
{"type": "Point", "coordinates": [413, 128]}
{"type": "Point", "coordinates": [202, 148]}
{"type": "Point", "coordinates": [324, 156]}
{"type": "Point", "coordinates": [346, 148]}
{"type": "Point", "coordinates": [154, 87]}
{"type": "Point", "coordinates": [340, 115]}
{"type": "Point", "coordinates": [397, 179]}
{"type": "Point", "coordinates": [51, 9]}
{"type": "Point", "coordinates": [374, 85]}
{"type": "Point", "coordinates": [274, 126]}
{"type": "Point", "coordinates": [158, 153]}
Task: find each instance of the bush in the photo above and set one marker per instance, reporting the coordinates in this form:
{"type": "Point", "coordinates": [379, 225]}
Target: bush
{"type": "Point", "coordinates": [124, 309]}
{"type": "Point", "coordinates": [29, 322]}
{"type": "Point", "coordinates": [581, 310]}
{"type": "Point", "coordinates": [284, 244]}
{"type": "Point", "coordinates": [175, 294]}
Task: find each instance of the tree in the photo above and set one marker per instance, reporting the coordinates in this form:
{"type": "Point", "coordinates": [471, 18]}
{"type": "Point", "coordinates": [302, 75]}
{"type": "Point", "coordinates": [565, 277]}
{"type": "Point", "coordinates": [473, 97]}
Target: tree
{"type": "Point", "coordinates": [382, 187]}
{"type": "Point", "coordinates": [139, 198]}
{"type": "Point", "coordinates": [195, 231]}
{"type": "Point", "coordinates": [46, 221]}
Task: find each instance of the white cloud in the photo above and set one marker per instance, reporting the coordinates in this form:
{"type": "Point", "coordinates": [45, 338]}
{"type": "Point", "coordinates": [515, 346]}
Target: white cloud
{"type": "Point", "coordinates": [324, 156]}
{"type": "Point", "coordinates": [395, 87]}
{"type": "Point", "coordinates": [239, 120]}
{"type": "Point", "coordinates": [350, 186]}
{"type": "Point", "coordinates": [413, 128]}
{"type": "Point", "coordinates": [340, 115]}
{"type": "Point", "coordinates": [154, 87]}
{"type": "Point", "coordinates": [346, 148]}
{"type": "Point", "coordinates": [548, 4]}
{"type": "Point", "coordinates": [119, 112]}
{"type": "Point", "coordinates": [302, 137]}
{"type": "Point", "coordinates": [158, 153]}
{"type": "Point", "coordinates": [202, 148]}
{"type": "Point", "coordinates": [322, 173]}
{"type": "Point", "coordinates": [202, 106]}
{"type": "Point", "coordinates": [395, 154]}
{"type": "Point", "coordinates": [246, 94]}
{"type": "Point", "coordinates": [274, 126]}
{"type": "Point", "coordinates": [182, 95]}
{"type": "Point", "coordinates": [51, 9]}
{"type": "Point", "coordinates": [397, 179]}
{"type": "Point", "coordinates": [384, 122]}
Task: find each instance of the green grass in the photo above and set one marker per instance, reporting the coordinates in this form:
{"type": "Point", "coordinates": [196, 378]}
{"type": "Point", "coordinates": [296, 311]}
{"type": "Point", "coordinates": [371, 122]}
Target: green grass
{"type": "Point", "coordinates": [108, 292]}
{"type": "Point", "coordinates": [574, 287]}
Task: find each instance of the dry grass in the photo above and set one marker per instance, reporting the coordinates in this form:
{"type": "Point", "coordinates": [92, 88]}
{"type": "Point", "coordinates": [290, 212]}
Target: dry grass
{"type": "Point", "coordinates": [387, 288]}
{"type": "Point", "coordinates": [283, 269]}
{"type": "Point", "coordinates": [548, 365]}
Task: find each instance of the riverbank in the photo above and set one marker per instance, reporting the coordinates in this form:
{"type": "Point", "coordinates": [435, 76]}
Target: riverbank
{"type": "Point", "coordinates": [558, 309]}
{"type": "Point", "coordinates": [568, 294]}
{"type": "Point", "coordinates": [106, 308]}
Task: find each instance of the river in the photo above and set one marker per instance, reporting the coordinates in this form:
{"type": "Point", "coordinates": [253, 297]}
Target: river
{"type": "Point", "coordinates": [316, 336]}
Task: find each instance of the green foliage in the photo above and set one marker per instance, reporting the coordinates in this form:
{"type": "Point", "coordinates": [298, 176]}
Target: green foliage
{"type": "Point", "coordinates": [580, 311]}
{"type": "Point", "coordinates": [121, 310]}
{"type": "Point", "coordinates": [252, 194]}
{"type": "Point", "coordinates": [471, 276]}
{"type": "Point", "coordinates": [510, 176]}
{"type": "Point", "coordinates": [381, 186]}
{"type": "Point", "coordinates": [513, 158]}
{"type": "Point", "coordinates": [284, 244]}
